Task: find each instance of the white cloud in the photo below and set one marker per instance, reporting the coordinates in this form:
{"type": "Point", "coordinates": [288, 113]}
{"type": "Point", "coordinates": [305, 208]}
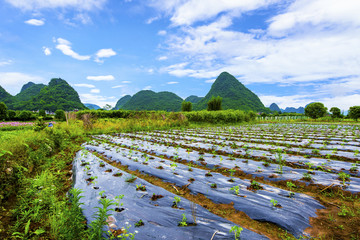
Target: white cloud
{"type": "Point", "coordinates": [104, 53]}
{"type": "Point", "coordinates": [150, 20]}
{"type": "Point", "coordinates": [172, 82]}
{"type": "Point", "coordinates": [210, 81]}
{"type": "Point", "coordinates": [162, 58]}
{"type": "Point", "coordinates": [126, 82]}
{"type": "Point", "coordinates": [95, 90]}
{"type": "Point", "coordinates": [191, 11]}
{"type": "Point", "coordinates": [47, 51]}
{"type": "Point", "coordinates": [296, 101]}
{"type": "Point", "coordinates": [13, 81]}
{"type": "Point", "coordinates": [118, 86]}
{"type": "Point", "coordinates": [101, 78]}
{"type": "Point", "coordinates": [4, 63]}
{"type": "Point", "coordinates": [147, 88]}
{"type": "Point", "coordinates": [35, 22]}
{"type": "Point", "coordinates": [84, 18]}
{"type": "Point", "coordinates": [84, 85]}
{"type": "Point", "coordinates": [65, 47]}
{"type": "Point", "coordinates": [31, 5]}
{"type": "Point", "coordinates": [162, 32]}
{"type": "Point", "coordinates": [316, 13]}
{"type": "Point", "coordinates": [304, 57]}
{"type": "Point", "coordinates": [97, 99]}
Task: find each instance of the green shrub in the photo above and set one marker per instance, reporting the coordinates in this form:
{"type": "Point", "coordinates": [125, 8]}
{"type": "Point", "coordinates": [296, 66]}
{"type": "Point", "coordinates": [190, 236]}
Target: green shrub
{"type": "Point", "coordinates": [60, 115]}
{"type": "Point", "coordinates": [3, 111]}
{"type": "Point", "coordinates": [214, 104]}
{"type": "Point", "coordinates": [26, 116]}
{"type": "Point", "coordinates": [11, 115]}
{"type": "Point", "coordinates": [186, 106]}
{"type": "Point", "coordinates": [42, 113]}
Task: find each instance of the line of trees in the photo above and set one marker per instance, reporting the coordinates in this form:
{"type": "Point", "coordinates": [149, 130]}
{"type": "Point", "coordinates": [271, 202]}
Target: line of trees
{"type": "Point", "coordinates": [317, 110]}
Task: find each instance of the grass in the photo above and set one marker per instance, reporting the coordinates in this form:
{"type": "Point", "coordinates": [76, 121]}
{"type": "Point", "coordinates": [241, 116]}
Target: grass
{"type": "Point", "coordinates": [35, 176]}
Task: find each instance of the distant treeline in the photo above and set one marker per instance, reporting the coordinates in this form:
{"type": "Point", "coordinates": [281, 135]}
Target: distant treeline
{"type": "Point", "coordinates": [224, 116]}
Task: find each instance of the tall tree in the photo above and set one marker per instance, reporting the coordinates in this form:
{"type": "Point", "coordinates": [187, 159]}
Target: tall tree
{"type": "Point", "coordinates": [315, 110]}
{"type": "Point", "coordinates": [3, 111]}
{"type": "Point", "coordinates": [335, 112]}
{"type": "Point", "coordinates": [354, 112]}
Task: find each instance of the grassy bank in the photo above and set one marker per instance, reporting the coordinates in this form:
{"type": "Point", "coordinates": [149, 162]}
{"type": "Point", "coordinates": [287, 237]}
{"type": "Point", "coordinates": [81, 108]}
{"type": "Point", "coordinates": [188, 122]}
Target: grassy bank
{"type": "Point", "coordinates": [35, 175]}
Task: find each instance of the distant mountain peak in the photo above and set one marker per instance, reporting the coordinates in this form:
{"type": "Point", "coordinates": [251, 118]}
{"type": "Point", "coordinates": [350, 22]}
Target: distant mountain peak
{"type": "Point", "coordinates": [26, 86]}
{"type": "Point", "coordinates": [234, 94]}
{"type": "Point", "coordinates": [274, 107]}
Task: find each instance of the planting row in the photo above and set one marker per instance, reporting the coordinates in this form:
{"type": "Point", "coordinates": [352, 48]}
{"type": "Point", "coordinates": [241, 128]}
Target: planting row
{"type": "Point", "coordinates": [136, 207]}
{"type": "Point", "coordinates": [261, 202]}
{"type": "Point", "coordinates": [206, 156]}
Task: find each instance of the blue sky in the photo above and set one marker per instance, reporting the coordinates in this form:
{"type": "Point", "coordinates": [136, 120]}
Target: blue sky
{"type": "Point", "coordinates": [291, 52]}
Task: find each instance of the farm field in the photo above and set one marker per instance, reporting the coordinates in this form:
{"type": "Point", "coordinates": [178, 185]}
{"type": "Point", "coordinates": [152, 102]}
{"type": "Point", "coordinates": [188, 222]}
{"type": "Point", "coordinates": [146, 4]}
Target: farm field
{"type": "Point", "coordinates": [260, 181]}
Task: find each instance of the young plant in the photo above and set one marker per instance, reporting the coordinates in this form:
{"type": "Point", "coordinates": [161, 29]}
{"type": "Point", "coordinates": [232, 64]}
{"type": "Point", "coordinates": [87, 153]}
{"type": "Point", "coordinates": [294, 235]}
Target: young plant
{"type": "Point", "coordinates": [131, 179]}
{"type": "Point", "coordinates": [290, 185]}
{"type": "Point", "coordinates": [280, 160]}
{"type": "Point", "coordinates": [236, 189]}
{"type": "Point", "coordinates": [237, 231]}
{"type": "Point", "coordinates": [307, 176]}
{"type": "Point", "coordinates": [255, 185]}
{"type": "Point", "coordinates": [173, 166]}
{"type": "Point", "coordinates": [176, 201]}
{"type": "Point", "coordinates": [232, 171]}
{"type": "Point", "coordinates": [140, 187]}
{"type": "Point", "coordinates": [183, 221]}
{"type": "Point", "coordinates": [343, 177]}
{"type": "Point", "coordinates": [275, 203]}
{"type": "Point", "coordinates": [139, 223]}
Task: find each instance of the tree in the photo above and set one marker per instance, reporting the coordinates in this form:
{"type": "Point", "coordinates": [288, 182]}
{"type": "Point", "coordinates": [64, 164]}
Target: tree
{"type": "Point", "coordinates": [3, 111]}
{"type": "Point", "coordinates": [354, 112]}
{"type": "Point", "coordinates": [336, 112]}
{"type": "Point", "coordinates": [315, 110]}
{"type": "Point", "coordinates": [26, 115]}
{"type": "Point", "coordinates": [42, 113]}
{"type": "Point", "coordinates": [11, 114]}
{"type": "Point", "coordinates": [60, 114]}
{"type": "Point", "coordinates": [186, 106]}
{"type": "Point", "coordinates": [215, 104]}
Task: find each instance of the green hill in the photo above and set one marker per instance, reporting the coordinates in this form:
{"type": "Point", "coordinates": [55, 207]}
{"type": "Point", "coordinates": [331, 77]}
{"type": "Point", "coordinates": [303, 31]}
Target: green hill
{"type": "Point", "coordinates": [6, 97]}
{"type": "Point", "coordinates": [28, 91]}
{"type": "Point", "coordinates": [122, 101]}
{"type": "Point", "coordinates": [149, 100]}
{"type": "Point", "coordinates": [193, 99]}
{"type": "Point", "coordinates": [275, 107]}
{"type": "Point", "coordinates": [57, 95]}
{"type": "Point", "coordinates": [234, 95]}
{"type": "Point", "coordinates": [92, 106]}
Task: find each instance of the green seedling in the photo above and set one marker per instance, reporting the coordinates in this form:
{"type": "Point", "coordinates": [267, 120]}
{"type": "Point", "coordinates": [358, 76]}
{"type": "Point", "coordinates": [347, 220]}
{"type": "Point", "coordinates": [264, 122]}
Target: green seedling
{"type": "Point", "coordinates": [274, 202]}
{"type": "Point", "coordinates": [353, 168]}
{"type": "Point", "coordinates": [307, 177]}
{"type": "Point", "coordinates": [139, 223]}
{"type": "Point", "coordinates": [173, 166]}
{"type": "Point", "coordinates": [290, 185]}
{"type": "Point", "coordinates": [183, 222]}
{"type": "Point", "coordinates": [343, 177]}
{"type": "Point", "coordinates": [356, 152]}
{"type": "Point", "coordinates": [140, 187]}
{"type": "Point", "coordinates": [237, 231]}
{"type": "Point", "coordinates": [176, 201]}
{"type": "Point", "coordinates": [131, 179]}
{"type": "Point", "coordinates": [236, 189]}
